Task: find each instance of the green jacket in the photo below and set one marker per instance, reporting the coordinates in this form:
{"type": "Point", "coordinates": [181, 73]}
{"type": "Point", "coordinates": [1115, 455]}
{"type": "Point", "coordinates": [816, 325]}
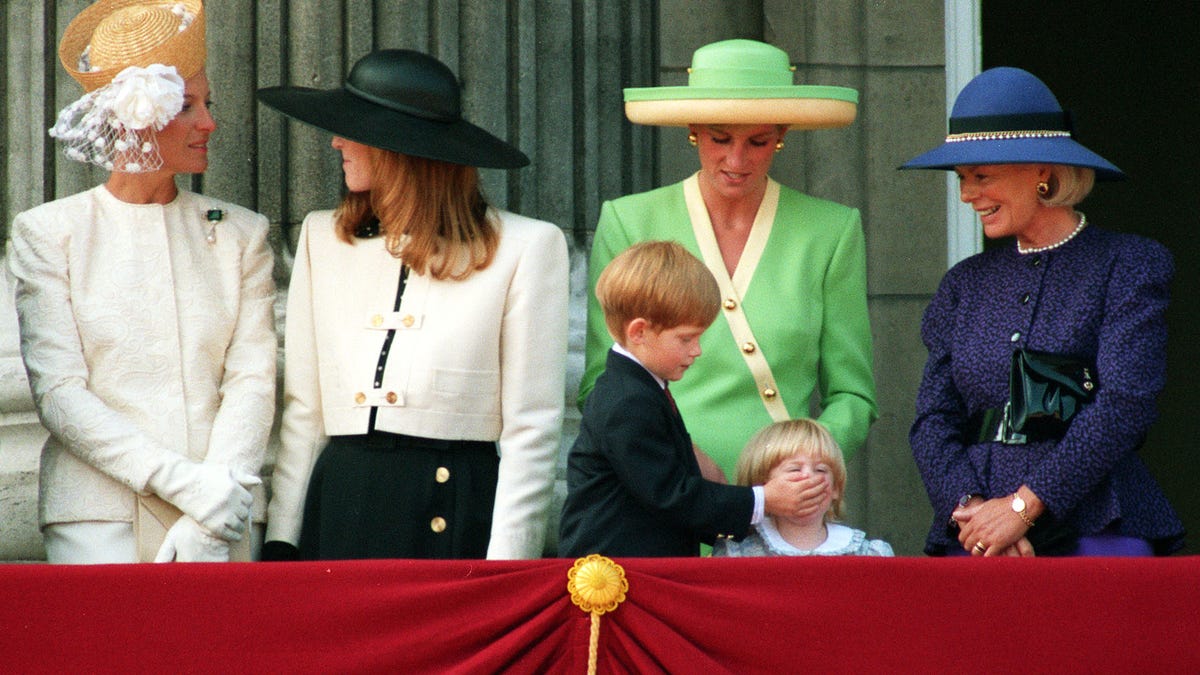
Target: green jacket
{"type": "Point", "coordinates": [805, 302]}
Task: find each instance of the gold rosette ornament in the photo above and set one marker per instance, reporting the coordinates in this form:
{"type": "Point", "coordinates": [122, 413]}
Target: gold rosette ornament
{"type": "Point", "coordinates": [597, 585]}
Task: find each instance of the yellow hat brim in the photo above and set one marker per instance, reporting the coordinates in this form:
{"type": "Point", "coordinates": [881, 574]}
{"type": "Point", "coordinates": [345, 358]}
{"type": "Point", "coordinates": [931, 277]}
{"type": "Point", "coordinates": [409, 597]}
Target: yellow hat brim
{"type": "Point", "coordinates": [795, 113]}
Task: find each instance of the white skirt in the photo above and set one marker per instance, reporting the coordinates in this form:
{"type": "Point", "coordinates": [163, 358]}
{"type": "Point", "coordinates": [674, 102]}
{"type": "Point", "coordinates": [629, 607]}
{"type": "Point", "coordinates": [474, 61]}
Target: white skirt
{"type": "Point", "coordinates": [91, 542]}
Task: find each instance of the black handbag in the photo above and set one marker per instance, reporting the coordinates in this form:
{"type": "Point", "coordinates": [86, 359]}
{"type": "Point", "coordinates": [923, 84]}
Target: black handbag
{"type": "Point", "coordinates": [1045, 391]}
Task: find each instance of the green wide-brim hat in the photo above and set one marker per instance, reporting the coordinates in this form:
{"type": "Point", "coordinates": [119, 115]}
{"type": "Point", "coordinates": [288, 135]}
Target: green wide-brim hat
{"type": "Point", "coordinates": [742, 82]}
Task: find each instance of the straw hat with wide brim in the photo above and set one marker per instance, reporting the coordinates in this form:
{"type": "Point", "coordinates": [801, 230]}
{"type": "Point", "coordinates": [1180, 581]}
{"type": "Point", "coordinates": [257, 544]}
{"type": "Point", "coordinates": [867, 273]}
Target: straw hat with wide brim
{"type": "Point", "coordinates": [116, 34]}
{"type": "Point", "coordinates": [1008, 116]}
{"type": "Point", "coordinates": [742, 82]}
{"type": "Point", "coordinates": [399, 100]}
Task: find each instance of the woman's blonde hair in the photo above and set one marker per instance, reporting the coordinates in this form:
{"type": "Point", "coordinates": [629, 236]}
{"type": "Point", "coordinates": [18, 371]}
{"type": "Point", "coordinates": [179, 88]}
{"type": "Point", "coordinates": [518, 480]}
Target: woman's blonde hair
{"type": "Point", "coordinates": [1069, 185]}
{"type": "Point", "coordinates": [661, 282]}
{"type": "Point", "coordinates": [432, 213]}
{"type": "Point", "coordinates": [783, 440]}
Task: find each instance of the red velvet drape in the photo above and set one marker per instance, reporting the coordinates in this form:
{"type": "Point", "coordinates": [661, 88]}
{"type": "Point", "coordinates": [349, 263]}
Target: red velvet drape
{"type": "Point", "coordinates": [766, 615]}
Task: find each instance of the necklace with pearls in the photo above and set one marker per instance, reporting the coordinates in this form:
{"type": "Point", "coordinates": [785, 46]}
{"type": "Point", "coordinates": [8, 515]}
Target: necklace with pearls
{"type": "Point", "coordinates": [1038, 249]}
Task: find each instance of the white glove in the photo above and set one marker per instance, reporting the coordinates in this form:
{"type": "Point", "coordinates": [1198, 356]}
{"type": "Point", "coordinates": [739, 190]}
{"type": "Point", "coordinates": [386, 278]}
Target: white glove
{"type": "Point", "coordinates": [214, 495]}
{"type": "Point", "coordinates": [187, 541]}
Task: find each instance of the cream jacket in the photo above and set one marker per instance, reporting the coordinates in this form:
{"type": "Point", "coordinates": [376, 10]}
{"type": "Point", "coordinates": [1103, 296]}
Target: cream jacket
{"type": "Point", "coordinates": [142, 339]}
{"type": "Point", "coordinates": [481, 359]}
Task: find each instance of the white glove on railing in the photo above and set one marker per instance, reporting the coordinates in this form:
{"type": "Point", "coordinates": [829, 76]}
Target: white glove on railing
{"type": "Point", "coordinates": [214, 495]}
{"type": "Point", "coordinates": [187, 541]}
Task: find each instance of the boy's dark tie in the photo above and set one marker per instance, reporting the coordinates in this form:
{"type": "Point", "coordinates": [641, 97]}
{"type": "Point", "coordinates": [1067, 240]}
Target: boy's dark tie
{"type": "Point", "coordinates": [667, 391]}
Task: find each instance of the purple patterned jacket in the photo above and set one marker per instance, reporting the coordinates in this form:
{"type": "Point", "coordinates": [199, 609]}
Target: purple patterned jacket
{"type": "Point", "coordinates": [1101, 297]}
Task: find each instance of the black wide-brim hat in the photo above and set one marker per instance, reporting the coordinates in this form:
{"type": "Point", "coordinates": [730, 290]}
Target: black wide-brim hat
{"type": "Point", "coordinates": [399, 100]}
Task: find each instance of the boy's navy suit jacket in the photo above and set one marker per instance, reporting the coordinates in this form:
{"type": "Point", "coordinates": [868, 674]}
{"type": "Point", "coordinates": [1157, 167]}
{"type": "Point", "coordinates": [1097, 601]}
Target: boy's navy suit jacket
{"type": "Point", "coordinates": [633, 485]}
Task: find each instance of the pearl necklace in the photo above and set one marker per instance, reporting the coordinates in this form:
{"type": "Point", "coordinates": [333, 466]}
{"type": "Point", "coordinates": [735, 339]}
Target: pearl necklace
{"type": "Point", "coordinates": [1038, 249]}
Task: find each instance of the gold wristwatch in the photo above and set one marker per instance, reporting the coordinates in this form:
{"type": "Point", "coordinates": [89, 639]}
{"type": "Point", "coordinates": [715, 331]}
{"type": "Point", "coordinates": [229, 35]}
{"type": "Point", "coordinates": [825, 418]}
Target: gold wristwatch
{"type": "Point", "coordinates": [1018, 507]}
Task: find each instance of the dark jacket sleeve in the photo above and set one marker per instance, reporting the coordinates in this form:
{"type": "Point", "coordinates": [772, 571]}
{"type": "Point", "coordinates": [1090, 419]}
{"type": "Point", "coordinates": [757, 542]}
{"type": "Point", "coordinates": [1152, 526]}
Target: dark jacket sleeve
{"type": "Point", "coordinates": [936, 435]}
{"type": "Point", "coordinates": [652, 456]}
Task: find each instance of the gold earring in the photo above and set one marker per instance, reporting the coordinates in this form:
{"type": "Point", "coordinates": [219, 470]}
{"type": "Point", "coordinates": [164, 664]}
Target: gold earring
{"type": "Point", "coordinates": [1043, 189]}
{"type": "Point", "coordinates": [693, 139]}
{"type": "Point", "coordinates": [778, 146]}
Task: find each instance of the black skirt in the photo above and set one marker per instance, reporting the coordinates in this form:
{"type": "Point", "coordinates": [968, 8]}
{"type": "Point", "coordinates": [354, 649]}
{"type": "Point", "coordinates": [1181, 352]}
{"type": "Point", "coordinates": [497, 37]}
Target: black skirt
{"type": "Point", "coordinates": [384, 495]}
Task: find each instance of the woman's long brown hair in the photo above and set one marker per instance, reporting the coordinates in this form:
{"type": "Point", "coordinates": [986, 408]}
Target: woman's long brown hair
{"type": "Point", "coordinates": [432, 213]}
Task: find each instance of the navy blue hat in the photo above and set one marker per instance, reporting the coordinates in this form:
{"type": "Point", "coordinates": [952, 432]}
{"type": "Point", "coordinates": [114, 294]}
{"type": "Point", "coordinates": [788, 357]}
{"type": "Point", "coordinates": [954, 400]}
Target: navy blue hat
{"type": "Point", "coordinates": [1008, 116]}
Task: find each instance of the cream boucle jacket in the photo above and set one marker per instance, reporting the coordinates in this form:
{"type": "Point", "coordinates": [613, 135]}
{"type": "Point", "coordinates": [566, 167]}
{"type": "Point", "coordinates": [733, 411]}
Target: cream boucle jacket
{"type": "Point", "coordinates": [480, 359]}
{"type": "Point", "coordinates": [142, 339]}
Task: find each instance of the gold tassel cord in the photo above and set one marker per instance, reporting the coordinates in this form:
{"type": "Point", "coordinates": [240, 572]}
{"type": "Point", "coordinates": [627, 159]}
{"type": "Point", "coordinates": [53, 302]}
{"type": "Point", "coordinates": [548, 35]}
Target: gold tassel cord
{"type": "Point", "coordinates": [597, 585]}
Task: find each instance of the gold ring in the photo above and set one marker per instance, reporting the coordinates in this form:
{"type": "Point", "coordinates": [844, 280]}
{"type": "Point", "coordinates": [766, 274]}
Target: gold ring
{"type": "Point", "coordinates": [981, 547]}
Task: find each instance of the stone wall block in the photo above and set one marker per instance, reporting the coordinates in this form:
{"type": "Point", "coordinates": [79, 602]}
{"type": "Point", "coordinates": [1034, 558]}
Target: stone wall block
{"type": "Point", "coordinates": [902, 119]}
{"type": "Point", "coordinates": [685, 25]}
{"type": "Point", "coordinates": [903, 33]}
{"type": "Point", "coordinates": [897, 508]}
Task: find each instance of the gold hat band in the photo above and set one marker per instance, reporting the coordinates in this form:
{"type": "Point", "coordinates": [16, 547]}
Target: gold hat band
{"type": "Point", "coordinates": [1004, 135]}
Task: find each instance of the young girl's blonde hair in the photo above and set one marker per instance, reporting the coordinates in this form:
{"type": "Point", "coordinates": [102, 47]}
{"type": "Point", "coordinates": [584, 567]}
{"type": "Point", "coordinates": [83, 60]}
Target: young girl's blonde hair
{"type": "Point", "coordinates": [432, 213]}
{"type": "Point", "coordinates": [782, 440]}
